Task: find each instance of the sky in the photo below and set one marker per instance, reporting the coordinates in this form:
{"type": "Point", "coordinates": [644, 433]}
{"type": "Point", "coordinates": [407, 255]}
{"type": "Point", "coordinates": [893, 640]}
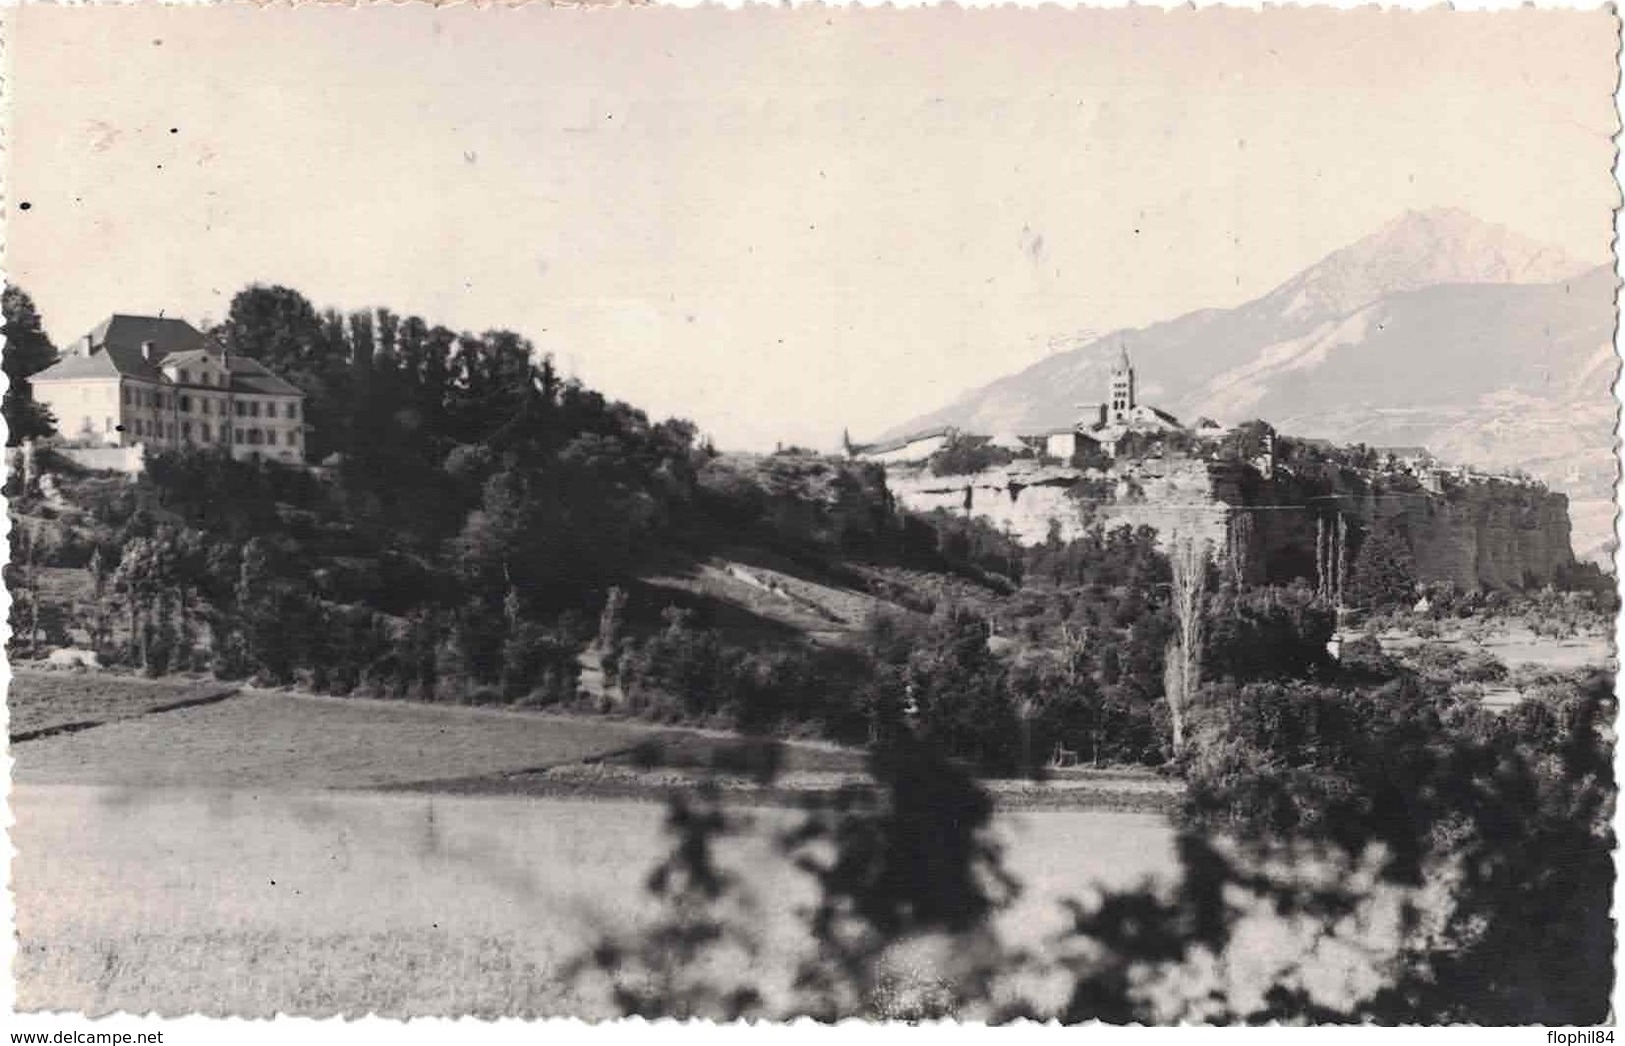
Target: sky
{"type": "Point", "coordinates": [778, 223]}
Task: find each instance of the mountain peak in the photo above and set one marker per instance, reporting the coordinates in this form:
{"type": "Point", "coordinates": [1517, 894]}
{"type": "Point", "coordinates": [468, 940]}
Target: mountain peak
{"type": "Point", "coordinates": [1422, 248]}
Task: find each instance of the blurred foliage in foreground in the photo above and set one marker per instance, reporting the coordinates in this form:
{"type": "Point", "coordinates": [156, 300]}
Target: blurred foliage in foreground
{"type": "Point", "coordinates": [1493, 828]}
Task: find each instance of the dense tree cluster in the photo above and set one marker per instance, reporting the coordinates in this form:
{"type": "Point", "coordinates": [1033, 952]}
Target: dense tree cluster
{"type": "Point", "coordinates": [1511, 809]}
{"type": "Point", "coordinates": [469, 501]}
{"type": "Point", "coordinates": [28, 350]}
{"type": "Point", "coordinates": [1301, 796]}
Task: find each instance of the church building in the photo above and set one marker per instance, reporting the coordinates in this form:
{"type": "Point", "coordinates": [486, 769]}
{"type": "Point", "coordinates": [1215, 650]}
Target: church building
{"type": "Point", "coordinates": [1099, 424]}
{"type": "Point", "coordinates": [1124, 413]}
{"type": "Point", "coordinates": [1105, 423]}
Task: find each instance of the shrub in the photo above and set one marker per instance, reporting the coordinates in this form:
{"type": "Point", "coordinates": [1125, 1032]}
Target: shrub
{"type": "Point", "coordinates": [967, 455]}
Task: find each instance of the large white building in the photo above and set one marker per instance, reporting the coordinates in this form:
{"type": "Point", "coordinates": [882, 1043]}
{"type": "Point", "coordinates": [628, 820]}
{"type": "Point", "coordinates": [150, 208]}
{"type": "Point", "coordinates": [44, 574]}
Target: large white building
{"type": "Point", "coordinates": [148, 381]}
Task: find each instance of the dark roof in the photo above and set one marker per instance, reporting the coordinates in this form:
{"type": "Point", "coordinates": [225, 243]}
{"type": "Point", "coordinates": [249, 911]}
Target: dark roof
{"type": "Point", "coordinates": [132, 332]}
{"type": "Point", "coordinates": [117, 348]}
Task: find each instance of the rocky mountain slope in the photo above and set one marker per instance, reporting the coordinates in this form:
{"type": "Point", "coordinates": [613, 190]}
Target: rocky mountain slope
{"type": "Point", "coordinates": [1438, 329]}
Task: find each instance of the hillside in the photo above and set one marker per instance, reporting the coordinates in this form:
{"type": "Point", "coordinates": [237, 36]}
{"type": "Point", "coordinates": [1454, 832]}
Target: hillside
{"type": "Point", "coordinates": [1437, 330]}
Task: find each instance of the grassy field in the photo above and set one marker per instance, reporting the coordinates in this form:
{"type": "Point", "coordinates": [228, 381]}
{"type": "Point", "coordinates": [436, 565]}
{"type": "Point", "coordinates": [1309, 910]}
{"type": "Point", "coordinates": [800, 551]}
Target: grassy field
{"type": "Point", "coordinates": [244, 858]}
{"type": "Point", "coordinates": [262, 739]}
{"type": "Point", "coordinates": [249, 903]}
{"type": "Point", "coordinates": [276, 740]}
{"type": "Point", "coordinates": [43, 700]}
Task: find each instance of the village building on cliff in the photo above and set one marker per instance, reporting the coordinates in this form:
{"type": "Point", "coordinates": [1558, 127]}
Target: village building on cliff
{"type": "Point", "coordinates": [1275, 509]}
{"type": "Point", "coordinates": [1103, 424]}
{"type": "Point", "coordinates": [1099, 425]}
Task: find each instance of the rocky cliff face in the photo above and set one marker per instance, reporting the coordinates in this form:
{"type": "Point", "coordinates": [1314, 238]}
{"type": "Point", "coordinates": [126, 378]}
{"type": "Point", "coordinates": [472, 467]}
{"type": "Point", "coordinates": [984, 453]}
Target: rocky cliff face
{"type": "Point", "coordinates": [1476, 532]}
{"type": "Point", "coordinates": [1436, 330]}
{"type": "Point", "coordinates": [1492, 535]}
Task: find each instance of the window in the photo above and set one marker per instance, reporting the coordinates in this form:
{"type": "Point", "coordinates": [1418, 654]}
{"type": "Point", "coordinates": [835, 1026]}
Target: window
{"type": "Point", "coordinates": [172, 430]}
{"type": "Point", "coordinates": [236, 435]}
{"type": "Point", "coordinates": [293, 436]}
{"type": "Point", "coordinates": [254, 437]}
{"type": "Point", "coordinates": [270, 436]}
{"type": "Point", "coordinates": [203, 432]}
{"type": "Point", "coordinates": [242, 409]}
{"type": "Point", "coordinates": [128, 395]}
{"type": "Point", "coordinates": [293, 410]}
{"type": "Point", "coordinates": [186, 404]}
{"type": "Point", "coordinates": [186, 431]}
{"type": "Point", "coordinates": [186, 376]}
{"type": "Point", "coordinates": [254, 408]}
{"type": "Point", "coordinates": [207, 408]}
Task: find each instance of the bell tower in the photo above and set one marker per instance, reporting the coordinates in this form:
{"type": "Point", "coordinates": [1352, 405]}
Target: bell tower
{"type": "Point", "coordinates": [1122, 386]}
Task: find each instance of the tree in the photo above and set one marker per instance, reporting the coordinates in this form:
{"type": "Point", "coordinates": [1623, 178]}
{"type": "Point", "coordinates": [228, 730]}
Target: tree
{"type": "Point", "coordinates": [27, 352]}
{"type": "Point", "coordinates": [140, 578]}
{"type": "Point", "coordinates": [97, 620]}
{"type": "Point", "coordinates": [275, 325]}
{"type": "Point", "coordinates": [966, 455]}
{"type": "Point", "coordinates": [1384, 569]}
{"type": "Point", "coordinates": [612, 619]}
{"type": "Point", "coordinates": [963, 694]}
{"type": "Point", "coordinates": [22, 578]}
{"type": "Point", "coordinates": [1182, 667]}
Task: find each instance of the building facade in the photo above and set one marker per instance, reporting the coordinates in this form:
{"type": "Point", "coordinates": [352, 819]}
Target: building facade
{"type": "Point", "coordinates": [160, 384]}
